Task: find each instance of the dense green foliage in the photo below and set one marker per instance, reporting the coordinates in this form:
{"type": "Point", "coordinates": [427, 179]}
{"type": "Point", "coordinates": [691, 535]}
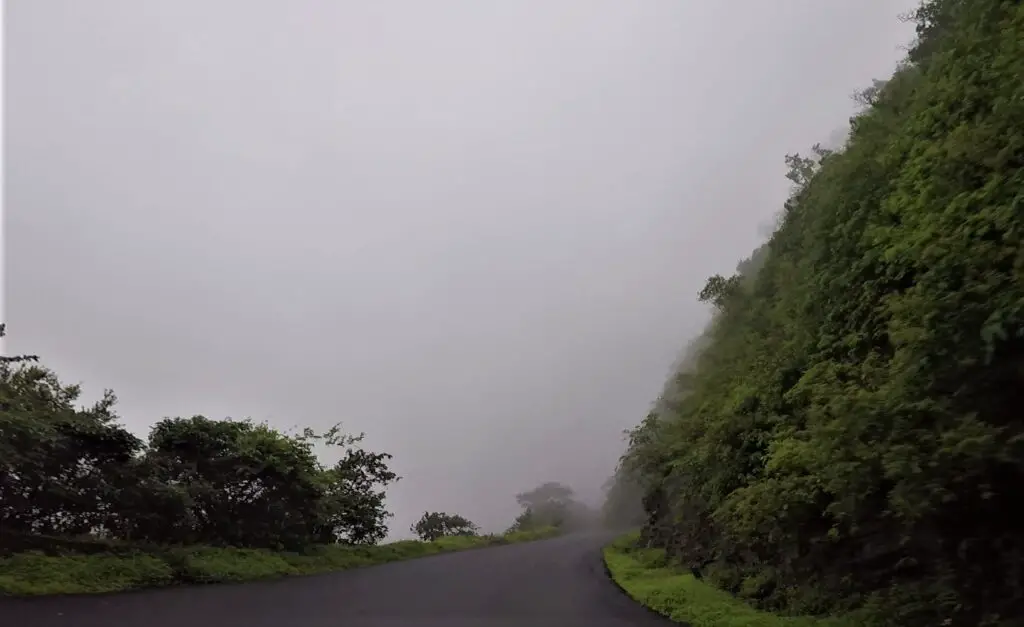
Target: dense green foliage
{"type": "Point", "coordinates": [848, 434]}
{"type": "Point", "coordinates": [72, 471]}
{"type": "Point", "coordinates": [434, 525]}
{"type": "Point", "coordinates": [109, 567]}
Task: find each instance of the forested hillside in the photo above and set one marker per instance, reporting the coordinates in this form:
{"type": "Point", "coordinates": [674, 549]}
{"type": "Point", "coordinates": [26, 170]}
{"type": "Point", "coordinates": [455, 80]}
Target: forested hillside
{"type": "Point", "coordinates": [848, 435]}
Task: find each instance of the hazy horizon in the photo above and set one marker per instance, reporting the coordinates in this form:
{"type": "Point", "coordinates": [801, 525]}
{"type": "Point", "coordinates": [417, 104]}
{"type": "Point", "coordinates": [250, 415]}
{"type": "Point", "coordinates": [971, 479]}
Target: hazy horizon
{"type": "Point", "coordinates": [473, 231]}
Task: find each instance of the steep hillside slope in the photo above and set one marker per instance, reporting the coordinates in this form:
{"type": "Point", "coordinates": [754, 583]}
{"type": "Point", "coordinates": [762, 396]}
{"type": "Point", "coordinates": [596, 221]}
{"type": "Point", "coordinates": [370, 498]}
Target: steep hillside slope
{"type": "Point", "coordinates": [850, 435]}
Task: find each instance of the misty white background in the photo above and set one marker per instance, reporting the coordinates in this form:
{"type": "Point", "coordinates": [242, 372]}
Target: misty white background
{"type": "Point", "coordinates": [473, 230]}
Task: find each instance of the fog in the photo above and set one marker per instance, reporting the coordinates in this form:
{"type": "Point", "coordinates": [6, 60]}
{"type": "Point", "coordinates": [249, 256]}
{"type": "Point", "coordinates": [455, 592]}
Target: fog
{"type": "Point", "coordinates": [473, 230]}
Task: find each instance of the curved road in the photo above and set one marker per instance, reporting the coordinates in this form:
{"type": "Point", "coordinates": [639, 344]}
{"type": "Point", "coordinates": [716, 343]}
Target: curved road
{"type": "Point", "coordinates": [549, 583]}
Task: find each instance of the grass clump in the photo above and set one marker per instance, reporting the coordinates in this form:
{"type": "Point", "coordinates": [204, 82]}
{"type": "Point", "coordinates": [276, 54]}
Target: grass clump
{"type": "Point", "coordinates": [36, 573]}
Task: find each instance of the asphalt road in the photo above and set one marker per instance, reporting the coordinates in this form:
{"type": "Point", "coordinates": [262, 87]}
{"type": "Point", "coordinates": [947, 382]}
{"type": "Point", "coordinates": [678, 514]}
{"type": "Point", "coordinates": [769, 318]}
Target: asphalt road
{"type": "Point", "coordinates": [550, 583]}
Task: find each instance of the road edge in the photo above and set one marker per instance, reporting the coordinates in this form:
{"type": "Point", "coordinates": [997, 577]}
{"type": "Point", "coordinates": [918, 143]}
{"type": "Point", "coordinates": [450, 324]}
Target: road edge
{"type": "Point", "coordinates": [618, 586]}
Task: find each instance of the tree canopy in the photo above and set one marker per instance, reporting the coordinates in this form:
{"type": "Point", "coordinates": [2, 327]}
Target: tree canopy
{"type": "Point", "coordinates": [75, 471]}
{"type": "Point", "coordinates": [552, 504]}
{"type": "Point", "coordinates": [434, 525]}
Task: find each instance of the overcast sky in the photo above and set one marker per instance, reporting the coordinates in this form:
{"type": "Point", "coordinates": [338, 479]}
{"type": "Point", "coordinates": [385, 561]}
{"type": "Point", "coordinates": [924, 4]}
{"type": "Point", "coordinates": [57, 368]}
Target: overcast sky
{"type": "Point", "coordinates": [472, 229]}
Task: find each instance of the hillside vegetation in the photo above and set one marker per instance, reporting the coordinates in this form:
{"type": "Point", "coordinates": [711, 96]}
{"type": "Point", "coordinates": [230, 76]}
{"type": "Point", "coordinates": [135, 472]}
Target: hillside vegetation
{"type": "Point", "coordinates": [87, 506]}
{"type": "Point", "coordinates": [645, 575]}
{"type": "Point", "coordinates": [849, 436]}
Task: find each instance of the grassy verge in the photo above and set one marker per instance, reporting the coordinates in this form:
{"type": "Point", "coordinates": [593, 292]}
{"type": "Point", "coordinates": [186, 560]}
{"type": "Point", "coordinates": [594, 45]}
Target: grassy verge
{"type": "Point", "coordinates": [642, 573]}
{"type": "Point", "coordinates": [36, 573]}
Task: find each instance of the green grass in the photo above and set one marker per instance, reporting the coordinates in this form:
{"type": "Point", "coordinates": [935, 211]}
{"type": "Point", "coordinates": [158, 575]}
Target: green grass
{"type": "Point", "coordinates": [642, 573]}
{"type": "Point", "coordinates": [35, 573]}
